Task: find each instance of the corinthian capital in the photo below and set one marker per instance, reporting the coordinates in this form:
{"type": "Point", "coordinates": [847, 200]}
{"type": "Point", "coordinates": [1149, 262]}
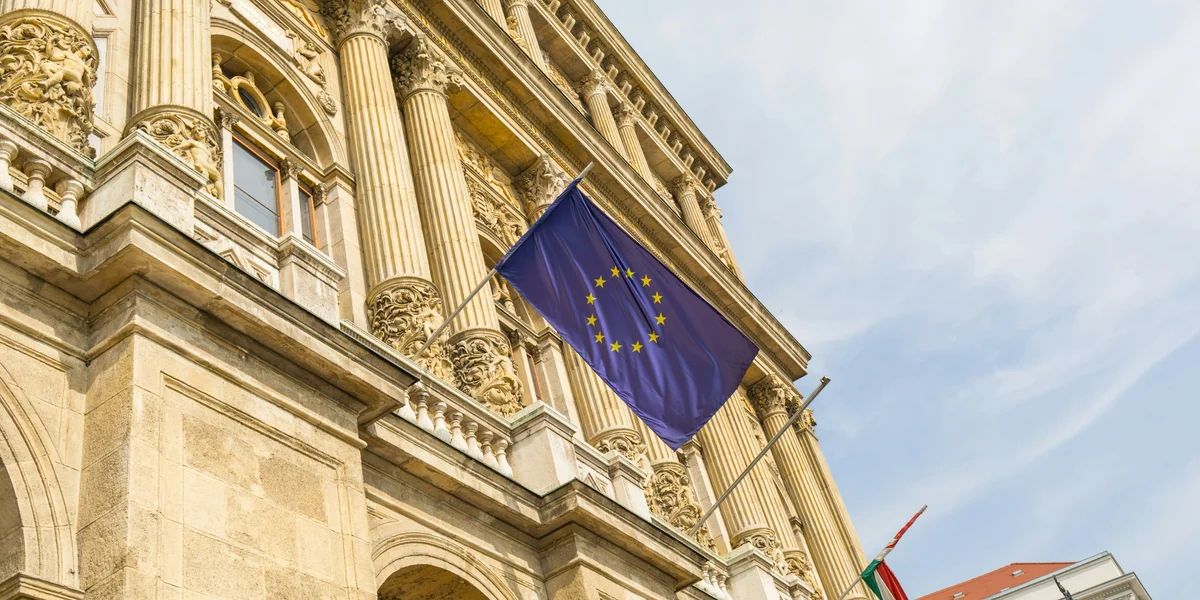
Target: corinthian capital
{"type": "Point", "coordinates": [594, 83]}
{"type": "Point", "coordinates": [539, 185]}
{"type": "Point", "coordinates": [772, 395]}
{"type": "Point", "coordinates": [372, 17]}
{"type": "Point", "coordinates": [683, 185]}
{"type": "Point", "coordinates": [626, 115]}
{"type": "Point", "coordinates": [421, 66]}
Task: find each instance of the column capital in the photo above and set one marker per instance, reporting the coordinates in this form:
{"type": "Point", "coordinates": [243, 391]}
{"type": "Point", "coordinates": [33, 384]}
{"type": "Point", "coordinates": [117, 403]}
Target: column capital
{"type": "Point", "coordinates": [512, 3]}
{"type": "Point", "coordinates": [539, 185]}
{"type": "Point", "coordinates": [772, 395]}
{"type": "Point", "coordinates": [683, 185]}
{"type": "Point", "coordinates": [594, 83]}
{"type": "Point", "coordinates": [421, 66]}
{"type": "Point", "coordinates": [348, 18]}
{"type": "Point", "coordinates": [626, 115]}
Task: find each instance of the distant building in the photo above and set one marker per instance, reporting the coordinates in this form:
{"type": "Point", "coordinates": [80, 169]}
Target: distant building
{"type": "Point", "coordinates": [1095, 578]}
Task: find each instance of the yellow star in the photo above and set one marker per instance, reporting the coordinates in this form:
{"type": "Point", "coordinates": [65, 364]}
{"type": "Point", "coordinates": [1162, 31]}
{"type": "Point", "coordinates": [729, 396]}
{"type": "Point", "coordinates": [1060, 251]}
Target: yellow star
{"type": "Point", "coordinates": [637, 346]}
{"type": "Point", "coordinates": [591, 298]}
{"type": "Point", "coordinates": [645, 280]}
{"type": "Point", "coordinates": [592, 320]}
{"type": "Point", "coordinates": [616, 272]}
{"type": "Point", "coordinates": [657, 298]}
{"type": "Point", "coordinates": [629, 272]}
{"type": "Point", "coordinates": [616, 346]}
{"type": "Point", "coordinates": [600, 282]}
{"type": "Point", "coordinates": [599, 337]}
{"type": "Point", "coordinates": [654, 337]}
{"type": "Point", "coordinates": [661, 319]}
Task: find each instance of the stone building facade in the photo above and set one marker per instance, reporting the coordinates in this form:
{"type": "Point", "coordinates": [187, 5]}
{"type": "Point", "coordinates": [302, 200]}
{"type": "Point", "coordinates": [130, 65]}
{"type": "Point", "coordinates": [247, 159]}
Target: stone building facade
{"type": "Point", "coordinates": [226, 228]}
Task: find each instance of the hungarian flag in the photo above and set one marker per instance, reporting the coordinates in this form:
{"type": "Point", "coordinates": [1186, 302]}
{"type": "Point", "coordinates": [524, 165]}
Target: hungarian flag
{"type": "Point", "coordinates": [883, 582]}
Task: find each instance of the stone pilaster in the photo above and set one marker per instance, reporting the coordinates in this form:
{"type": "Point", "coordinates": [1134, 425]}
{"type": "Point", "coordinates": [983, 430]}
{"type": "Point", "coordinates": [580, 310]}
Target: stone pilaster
{"type": "Point", "coordinates": [685, 195]}
{"type": "Point", "coordinates": [627, 118]}
{"type": "Point", "coordinates": [519, 21]}
{"type": "Point", "coordinates": [669, 488]}
{"type": "Point", "coordinates": [49, 66]}
{"type": "Point", "coordinates": [172, 89]}
{"type": "Point", "coordinates": [772, 399]}
{"type": "Point", "coordinates": [595, 87]}
{"type": "Point", "coordinates": [607, 423]}
{"type": "Point", "coordinates": [478, 350]}
{"type": "Point", "coordinates": [539, 185]}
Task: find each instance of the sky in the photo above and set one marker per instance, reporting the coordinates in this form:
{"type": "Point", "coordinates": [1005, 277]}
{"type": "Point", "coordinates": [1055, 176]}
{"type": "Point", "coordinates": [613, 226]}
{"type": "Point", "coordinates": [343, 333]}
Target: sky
{"type": "Point", "coordinates": [983, 221]}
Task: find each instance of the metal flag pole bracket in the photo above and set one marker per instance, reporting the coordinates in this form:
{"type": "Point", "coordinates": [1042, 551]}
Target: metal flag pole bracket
{"type": "Point", "coordinates": [786, 427]}
{"type": "Point", "coordinates": [446, 323]}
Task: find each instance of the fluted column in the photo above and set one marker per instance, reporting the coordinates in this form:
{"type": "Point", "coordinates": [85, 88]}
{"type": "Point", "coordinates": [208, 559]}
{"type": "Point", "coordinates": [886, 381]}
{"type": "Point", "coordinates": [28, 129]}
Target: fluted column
{"type": "Point", "coordinates": [685, 195]}
{"type": "Point", "coordinates": [49, 66]}
{"type": "Point", "coordinates": [627, 118]}
{"type": "Point", "coordinates": [518, 14]}
{"type": "Point", "coordinates": [727, 451]}
{"type": "Point", "coordinates": [172, 83]}
{"type": "Point", "coordinates": [540, 185]}
{"type": "Point", "coordinates": [773, 398]}
{"type": "Point", "coordinates": [762, 480]}
{"type": "Point", "coordinates": [712, 214]}
{"type": "Point", "coordinates": [607, 422]}
{"type": "Point", "coordinates": [403, 306]}
{"type": "Point", "coordinates": [478, 350]}
{"type": "Point", "coordinates": [669, 489]}
{"type": "Point", "coordinates": [808, 435]}
{"type": "Point", "coordinates": [494, 10]}
{"type": "Point", "coordinates": [594, 88]}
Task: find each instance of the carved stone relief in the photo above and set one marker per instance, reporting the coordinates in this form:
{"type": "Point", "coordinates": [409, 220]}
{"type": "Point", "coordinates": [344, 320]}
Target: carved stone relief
{"type": "Point", "coordinates": [403, 313]}
{"type": "Point", "coordinates": [191, 136]}
{"type": "Point", "coordinates": [483, 369]}
{"type": "Point", "coordinates": [669, 493]}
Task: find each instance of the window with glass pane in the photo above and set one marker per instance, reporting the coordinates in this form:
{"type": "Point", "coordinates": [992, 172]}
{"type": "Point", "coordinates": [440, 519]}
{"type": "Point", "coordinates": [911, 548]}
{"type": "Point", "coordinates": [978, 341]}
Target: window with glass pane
{"type": "Point", "coordinates": [306, 217]}
{"type": "Point", "coordinates": [256, 189]}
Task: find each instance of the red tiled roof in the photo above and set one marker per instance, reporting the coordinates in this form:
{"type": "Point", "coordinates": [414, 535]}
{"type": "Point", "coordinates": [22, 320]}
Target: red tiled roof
{"type": "Point", "coordinates": [991, 583]}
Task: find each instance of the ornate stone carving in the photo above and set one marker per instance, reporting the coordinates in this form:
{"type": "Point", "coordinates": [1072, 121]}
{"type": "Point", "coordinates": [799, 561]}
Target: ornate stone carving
{"type": "Point", "coordinates": [308, 55]}
{"type": "Point", "coordinates": [484, 370]}
{"type": "Point", "coordinates": [241, 87]}
{"type": "Point", "coordinates": [476, 161]}
{"type": "Point", "coordinates": [421, 66]}
{"type": "Point", "coordinates": [372, 17]}
{"type": "Point", "coordinates": [561, 81]}
{"type": "Point", "coordinates": [47, 68]}
{"type": "Point", "coordinates": [595, 82]}
{"type": "Point", "coordinates": [764, 540]}
{"type": "Point", "coordinates": [305, 14]}
{"type": "Point", "coordinates": [625, 442]}
{"type": "Point", "coordinates": [669, 493]}
{"type": "Point", "coordinates": [798, 564]}
{"type": "Point", "coordinates": [539, 185]}
{"type": "Point", "coordinates": [683, 185]}
{"type": "Point", "coordinates": [327, 102]}
{"type": "Point", "coordinates": [626, 115]}
{"type": "Point", "coordinates": [807, 422]}
{"type": "Point", "coordinates": [771, 395]}
{"type": "Point", "coordinates": [191, 136]}
{"type": "Point", "coordinates": [404, 312]}
{"type": "Point", "coordinates": [492, 215]}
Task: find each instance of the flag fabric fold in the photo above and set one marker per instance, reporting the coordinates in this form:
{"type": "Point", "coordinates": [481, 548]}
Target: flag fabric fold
{"type": "Point", "coordinates": [883, 582]}
{"type": "Point", "coordinates": [664, 350]}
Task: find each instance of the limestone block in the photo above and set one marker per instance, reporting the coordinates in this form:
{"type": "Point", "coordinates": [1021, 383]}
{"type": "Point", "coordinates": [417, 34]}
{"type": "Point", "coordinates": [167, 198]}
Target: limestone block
{"type": "Point", "coordinates": [294, 488]}
{"type": "Point", "coordinates": [206, 501]}
{"type": "Point", "coordinates": [141, 171]}
{"type": "Point", "coordinates": [752, 576]}
{"type": "Point", "coordinates": [259, 524]}
{"type": "Point", "coordinates": [212, 450]}
{"type": "Point", "coordinates": [542, 454]}
{"type": "Point", "coordinates": [628, 485]}
{"type": "Point", "coordinates": [215, 568]}
{"type": "Point", "coordinates": [309, 279]}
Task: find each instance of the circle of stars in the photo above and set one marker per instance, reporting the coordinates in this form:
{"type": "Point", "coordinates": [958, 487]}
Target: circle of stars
{"type": "Point", "coordinates": [652, 337]}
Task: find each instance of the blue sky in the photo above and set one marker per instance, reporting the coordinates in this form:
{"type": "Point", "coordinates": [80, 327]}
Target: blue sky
{"type": "Point", "coordinates": [983, 220]}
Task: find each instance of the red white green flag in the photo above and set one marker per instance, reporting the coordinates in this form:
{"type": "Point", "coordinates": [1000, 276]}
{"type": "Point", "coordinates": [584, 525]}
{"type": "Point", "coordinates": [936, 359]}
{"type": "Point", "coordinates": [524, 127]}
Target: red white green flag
{"type": "Point", "coordinates": [879, 577]}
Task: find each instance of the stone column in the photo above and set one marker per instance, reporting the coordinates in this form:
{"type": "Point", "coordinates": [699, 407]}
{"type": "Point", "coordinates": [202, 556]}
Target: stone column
{"type": "Point", "coordinates": [172, 90]}
{"type": "Point", "coordinates": [539, 185]}
{"type": "Point", "coordinates": [837, 505]}
{"type": "Point", "coordinates": [595, 87]}
{"type": "Point", "coordinates": [49, 66]}
{"type": "Point", "coordinates": [478, 350]}
{"type": "Point", "coordinates": [627, 118]}
{"type": "Point", "coordinates": [607, 422]}
{"type": "Point", "coordinates": [685, 195]}
{"type": "Point", "coordinates": [727, 451]}
{"type": "Point", "coordinates": [712, 214]}
{"type": "Point", "coordinates": [518, 18]}
{"type": "Point", "coordinates": [669, 489]}
{"type": "Point", "coordinates": [494, 10]}
{"type": "Point", "coordinates": [773, 398]}
{"type": "Point", "coordinates": [403, 306]}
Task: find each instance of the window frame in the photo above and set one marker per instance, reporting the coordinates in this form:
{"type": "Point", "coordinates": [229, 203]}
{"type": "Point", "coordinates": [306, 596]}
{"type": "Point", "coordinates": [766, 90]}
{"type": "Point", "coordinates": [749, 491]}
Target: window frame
{"type": "Point", "coordinates": [262, 155]}
{"type": "Point", "coordinates": [306, 193]}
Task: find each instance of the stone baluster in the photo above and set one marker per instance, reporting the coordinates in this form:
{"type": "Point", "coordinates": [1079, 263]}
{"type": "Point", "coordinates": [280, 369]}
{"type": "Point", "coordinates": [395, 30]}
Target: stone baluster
{"type": "Point", "coordinates": [49, 66]}
{"type": "Point", "coordinates": [595, 87]}
{"type": "Point", "coordinates": [473, 441]}
{"type": "Point", "coordinates": [518, 15]}
{"type": "Point", "coordinates": [485, 447]}
{"type": "Point", "coordinates": [403, 306]}
{"type": "Point", "coordinates": [479, 351]}
{"type": "Point", "coordinates": [539, 185]}
{"type": "Point", "coordinates": [419, 395]}
{"type": "Point", "coordinates": [685, 195]}
{"type": "Point", "coordinates": [502, 465]}
{"type": "Point", "coordinates": [627, 119]}
{"type": "Point", "coordinates": [69, 191]}
{"type": "Point", "coordinates": [773, 398]}
{"type": "Point", "coordinates": [606, 420]}
{"type": "Point", "coordinates": [36, 171]}
{"type": "Point", "coordinates": [669, 488]}
{"type": "Point", "coordinates": [456, 433]}
{"type": "Point", "coordinates": [439, 422]}
{"type": "Point", "coordinates": [172, 83]}
{"type": "Point", "coordinates": [406, 411]}
{"type": "Point", "coordinates": [8, 153]}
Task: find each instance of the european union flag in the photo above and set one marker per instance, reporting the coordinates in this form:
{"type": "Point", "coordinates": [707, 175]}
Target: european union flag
{"type": "Point", "coordinates": [666, 352]}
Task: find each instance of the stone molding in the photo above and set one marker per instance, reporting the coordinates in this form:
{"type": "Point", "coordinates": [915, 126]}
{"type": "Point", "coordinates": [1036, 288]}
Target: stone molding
{"type": "Point", "coordinates": [422, 67]}
{"type": "Point", "coordinates": [404, 312]}
{"type": "Point", "coordinates": [25, 587]}
{"type": "Point", "coordinates": [47, 73]}
{"type": "Point", "coordinates": [483, 370]}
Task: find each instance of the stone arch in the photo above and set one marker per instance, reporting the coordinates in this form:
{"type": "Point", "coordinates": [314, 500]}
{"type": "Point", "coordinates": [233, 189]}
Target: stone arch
{"type": "Point", "coordinates": [309, 126]}
{"type": "Point", "coordinates": [36, 533]}
{"type": "Point", "coordinates": [405, 557]}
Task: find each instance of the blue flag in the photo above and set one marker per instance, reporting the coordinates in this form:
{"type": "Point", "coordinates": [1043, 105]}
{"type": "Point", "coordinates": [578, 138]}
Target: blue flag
{"type": "Point", "coordinates": [666, 352]}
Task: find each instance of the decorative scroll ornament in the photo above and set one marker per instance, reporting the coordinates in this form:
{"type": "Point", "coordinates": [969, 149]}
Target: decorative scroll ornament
{"type": "Point", "coordinates": [243, 90]}
{"type": "Point", "coordinates": [669, 493]}
{"type": "Point", "coordinates": [47, 68]}
{"type": "Point", "coordinates": [594, 83]}
{"type": "Point", "coordinates": [772, 395]}
{"type": "Point", "coordinates": [765, 541]}
{"type": "Point", "coordinates": [372, 17]}
{"type": "Point", "coordinates": [484, 370]}
{"type": "Point", "coordinates": [798, 564]}
{"type": "Point", "coordinates": [404, 312]}
{"type": "Point", "coordinates": [422, 67]}
{"type": "Point", "coordinates": [327, 102]}
{"type": "Point", "coordinates": [193, 138]}
{"type": "Point", "coordinates": [625, 442]}
{"type": "Point", "coordinates": [539, 185]}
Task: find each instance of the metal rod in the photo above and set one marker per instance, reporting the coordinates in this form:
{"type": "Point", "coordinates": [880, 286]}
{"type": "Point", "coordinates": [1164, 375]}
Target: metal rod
{"type": "Point", "coordinates": [792, 421]}
{"type": "Point", "coordinates": [886, 549]}
{"type": "Point", "coordinates": [441, 328]}
{"type": "Point", "coordinates": [845, 593]}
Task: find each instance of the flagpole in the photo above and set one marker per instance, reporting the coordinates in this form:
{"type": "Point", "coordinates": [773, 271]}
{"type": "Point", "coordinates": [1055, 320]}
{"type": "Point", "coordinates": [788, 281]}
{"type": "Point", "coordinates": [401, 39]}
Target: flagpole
{"type": "Point", "coordinates": [441, 328]}
{"type": "Point", "coordinates": [886, 549]}
{"type": "Point", "coordinates": [787, 426]}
